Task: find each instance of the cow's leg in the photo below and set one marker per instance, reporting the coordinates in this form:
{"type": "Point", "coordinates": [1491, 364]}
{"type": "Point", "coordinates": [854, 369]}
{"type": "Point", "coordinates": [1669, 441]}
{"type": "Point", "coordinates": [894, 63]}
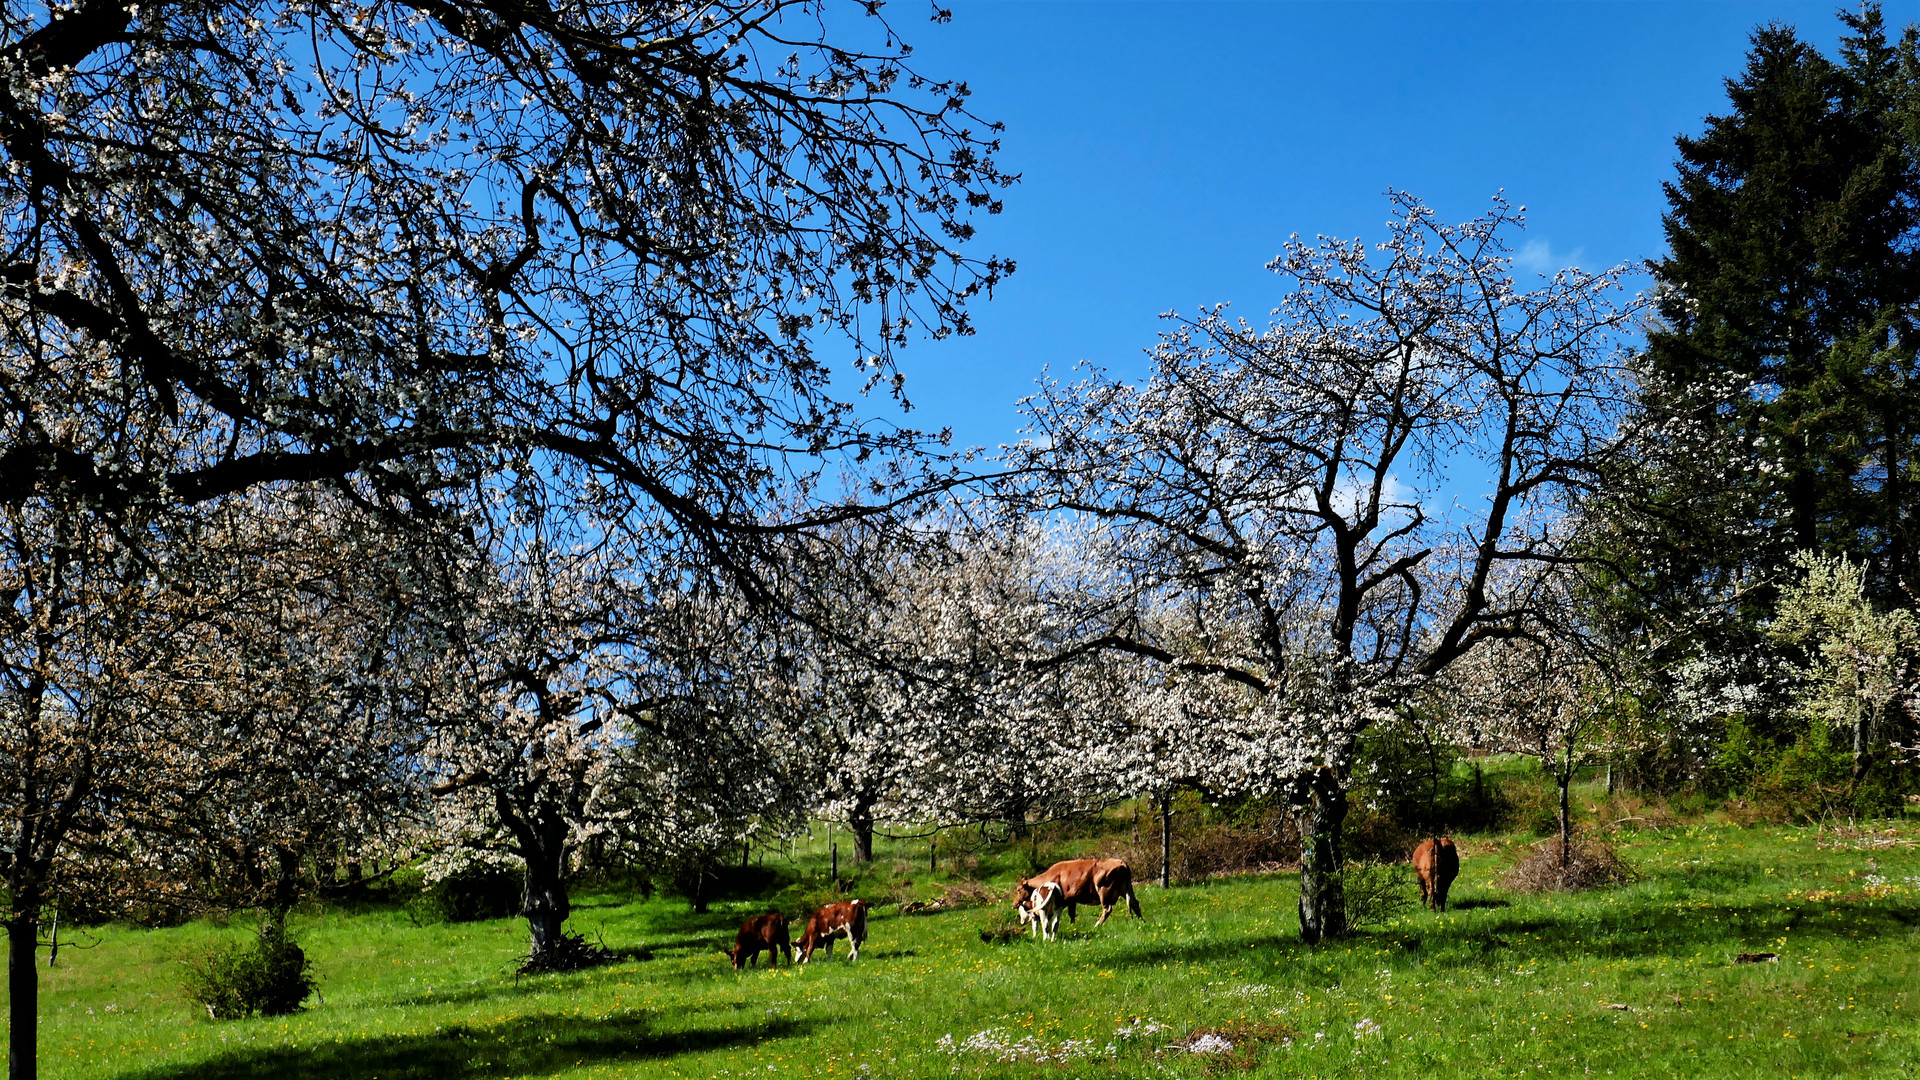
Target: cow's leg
{"type": "Point", "coordinates": [853, 947]}
{"type": "Point", "coordinates": [1073, 914]}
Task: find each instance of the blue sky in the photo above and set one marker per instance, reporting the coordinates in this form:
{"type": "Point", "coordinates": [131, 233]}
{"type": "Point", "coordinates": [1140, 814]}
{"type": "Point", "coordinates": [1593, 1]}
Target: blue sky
{"type": "Point", "coordinates": [1169, 149]}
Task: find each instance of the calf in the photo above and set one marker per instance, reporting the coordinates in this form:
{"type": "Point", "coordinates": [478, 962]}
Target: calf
{"type": "Point", "coordinates": [847, 919]}
{"type": "Point", "coordinates": [762, 932]}
{"type": "Point", "coordinates": [1042, 909]}
{"type": "Point", "coordinates": [1436, 863]}
{"type": "Point", "coordinates": [1085, 881]}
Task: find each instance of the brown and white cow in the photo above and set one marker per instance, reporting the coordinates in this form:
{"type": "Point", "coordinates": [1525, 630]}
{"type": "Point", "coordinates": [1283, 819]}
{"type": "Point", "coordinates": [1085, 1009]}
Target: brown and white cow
{"type": "Point", "coordinates": [847, 919]}
{"type": "Point", "coordinates": [762, 932]}
{"type": "Point", "coordinates": [1084, 881]}
{"type": "Point", "coordinates": [1042, 909]}
{"type": "Point", "coordinates": [1436, 863]}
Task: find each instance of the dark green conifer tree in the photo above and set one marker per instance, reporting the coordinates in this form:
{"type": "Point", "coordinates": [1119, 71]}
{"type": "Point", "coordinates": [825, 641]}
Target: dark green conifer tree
{"type": "Point", "coordinates": [1779, 381]}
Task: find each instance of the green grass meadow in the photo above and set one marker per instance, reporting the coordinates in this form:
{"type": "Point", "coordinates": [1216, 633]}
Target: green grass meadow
{"type": "Point", "coordinates": [1635, 981]}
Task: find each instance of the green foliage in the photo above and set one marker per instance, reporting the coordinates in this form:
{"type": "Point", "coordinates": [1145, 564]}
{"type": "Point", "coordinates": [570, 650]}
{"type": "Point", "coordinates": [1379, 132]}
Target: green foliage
{"type": "Point", "coordinates": [1528, 803]}
{"type": "Point", "coordinates": [1377, 892]}
{"type": "Point", "coordinates": [1422, 783]}
{"type": "Point", "coordinates": [473, 893]}
{"type": "Point", "coordinates": [1777, 398]}
{"type": "Point", "coordinates": [1001, 928]}
{"type": "Point", "coordinates": [268, 975]}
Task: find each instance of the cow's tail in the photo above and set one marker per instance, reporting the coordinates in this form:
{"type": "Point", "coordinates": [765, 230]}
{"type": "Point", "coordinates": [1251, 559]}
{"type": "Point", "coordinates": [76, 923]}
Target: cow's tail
{"type": "Point", "coordinates": [1123, 879]}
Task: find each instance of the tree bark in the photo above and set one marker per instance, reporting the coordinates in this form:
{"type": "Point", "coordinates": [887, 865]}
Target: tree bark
{"type": "Point", "coordinates": [286, 881]}
{"type": "Point", "coordinates": [1166, 841]}
{"type": "Point", "coordinates": [1323, 901]}
{"type": "Point", "coordinates": [543, 898]}
{"type": "Point", "coordinates": [861, 822]}
{"type": "Point", "coordinates": [1566, 821]}
{"type": "Point", "coordinates": [23, 998]}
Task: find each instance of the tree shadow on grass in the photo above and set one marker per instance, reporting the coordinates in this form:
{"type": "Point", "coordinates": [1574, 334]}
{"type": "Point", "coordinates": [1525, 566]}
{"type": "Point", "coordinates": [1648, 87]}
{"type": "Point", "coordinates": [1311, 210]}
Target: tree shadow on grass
{"type": "Point", "coordinates": [1502, 935]}
{"type": "Point", "coordinates": [530, 1045]}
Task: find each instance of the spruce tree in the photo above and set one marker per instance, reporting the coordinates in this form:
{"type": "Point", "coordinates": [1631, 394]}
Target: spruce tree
{"type": "Point", "coordinates": [1778, 381]}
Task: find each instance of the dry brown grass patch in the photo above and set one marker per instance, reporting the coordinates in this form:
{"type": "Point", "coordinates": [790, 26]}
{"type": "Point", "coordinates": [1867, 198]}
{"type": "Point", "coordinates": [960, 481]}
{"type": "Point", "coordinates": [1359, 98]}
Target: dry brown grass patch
{"type": "Point", "coordinates": [1592, 864]}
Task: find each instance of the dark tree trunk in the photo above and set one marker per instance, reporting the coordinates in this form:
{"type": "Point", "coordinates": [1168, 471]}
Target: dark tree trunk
{"type": "Point", "coordinates": [1323, 901]}
{"type": "Point", "coordinates": [1566, 820]}
{"type": "Point", "coordinates": [861, 822]}
{"type": "Point", "coordinates": [286, 882]}
{"type": "Point", "coordinates": [23, 998]}
{"type": "Point", "coordinates": [1166, 841]}
{"type": "Point", "coordinates": [543, 898]}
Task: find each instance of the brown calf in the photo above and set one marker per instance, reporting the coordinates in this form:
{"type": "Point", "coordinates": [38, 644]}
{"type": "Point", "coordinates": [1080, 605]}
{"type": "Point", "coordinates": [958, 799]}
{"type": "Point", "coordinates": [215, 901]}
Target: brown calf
{"type": "Point", "coordinates": [847, 919]}
{"type": "Point", "coordinates": [1084, 881]}
{"type": "Point", "coordinates": [762, 932]}
{"type": "Point", "coordinates": [1436, 863]}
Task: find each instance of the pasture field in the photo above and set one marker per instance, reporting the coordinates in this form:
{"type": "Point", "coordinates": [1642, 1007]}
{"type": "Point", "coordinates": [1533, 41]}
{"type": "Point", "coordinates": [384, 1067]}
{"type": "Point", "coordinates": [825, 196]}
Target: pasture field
{"type": "Point", "coordinates": [1636, 981]}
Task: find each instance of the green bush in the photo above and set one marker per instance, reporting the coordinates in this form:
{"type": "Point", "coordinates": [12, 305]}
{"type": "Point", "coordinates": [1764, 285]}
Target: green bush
{"type": "Point", "coordinates": [1529, 803]}
{"type": "Point", "coordinates": [1377, 891]}
{"type": "Point", "coordinates": [470, 894]}
{"type": "Point", "coordinates": [270, 976]}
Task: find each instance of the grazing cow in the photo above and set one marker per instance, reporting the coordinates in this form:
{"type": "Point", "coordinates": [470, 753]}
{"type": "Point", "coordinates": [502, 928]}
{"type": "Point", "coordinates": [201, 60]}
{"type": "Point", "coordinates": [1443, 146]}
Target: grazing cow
{"type": "Point", "coordinates": [1436, 863]}
{"type": "Point", "coordinates": [1084, 881]}
{"type": "Point", "coordinates": [1042, 909]}
{"type": "Point", "coordinates": [768, 932]}
{"type": "Point", "coordinates": [847, 919]}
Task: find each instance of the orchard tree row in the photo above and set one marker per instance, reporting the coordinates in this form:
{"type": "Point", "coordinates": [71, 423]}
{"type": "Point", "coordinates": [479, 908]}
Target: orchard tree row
{"type": "Point", "coordinates": [422, 442]}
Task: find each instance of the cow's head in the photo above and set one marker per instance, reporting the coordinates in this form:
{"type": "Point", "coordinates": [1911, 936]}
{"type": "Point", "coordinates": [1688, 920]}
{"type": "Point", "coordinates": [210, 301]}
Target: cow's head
{"type": "Point", "coordinates": [1022, 893]}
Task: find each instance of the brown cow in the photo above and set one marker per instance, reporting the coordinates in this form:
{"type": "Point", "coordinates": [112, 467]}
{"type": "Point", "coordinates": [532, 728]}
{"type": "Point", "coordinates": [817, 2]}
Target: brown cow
{"type": "Point", "coordinates": [1084, 881]}
{"type": "Point", "coordinates": [1436, 863]}
{"type": "Point", "coordinates": [762, 932]}
{"type": "Point", "coordinates": [847, 919]}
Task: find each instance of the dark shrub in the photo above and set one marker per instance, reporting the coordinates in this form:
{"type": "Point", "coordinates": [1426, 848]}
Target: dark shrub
{"type": "Point", "coordinates": [1374, 836]}
{"type": "Point", "coordinates": [1001, 928]}
{"type": "Point", "coordinates": [268, 976]}
{"type": "Point", "coordinates": [470, 894]}
{"type": "Point", "coordinates": [1240, 837]}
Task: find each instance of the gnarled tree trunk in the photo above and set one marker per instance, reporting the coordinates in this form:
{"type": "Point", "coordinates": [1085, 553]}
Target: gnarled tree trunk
{"type": "Point", "coordinates": [860, 820]}
{"type": "Point", "coordinates": [543, 900]}
{"type": "Point", "coordinates": [1323, 818]}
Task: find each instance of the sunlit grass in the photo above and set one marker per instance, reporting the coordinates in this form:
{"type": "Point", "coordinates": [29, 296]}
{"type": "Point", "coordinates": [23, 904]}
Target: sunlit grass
{"type": "Point", "coordinates": [1502, 985]}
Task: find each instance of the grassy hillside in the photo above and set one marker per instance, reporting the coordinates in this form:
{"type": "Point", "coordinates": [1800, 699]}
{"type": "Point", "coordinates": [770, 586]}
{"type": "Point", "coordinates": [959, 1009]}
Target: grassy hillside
{"type": "Point", "coordinates": [1637, 981]}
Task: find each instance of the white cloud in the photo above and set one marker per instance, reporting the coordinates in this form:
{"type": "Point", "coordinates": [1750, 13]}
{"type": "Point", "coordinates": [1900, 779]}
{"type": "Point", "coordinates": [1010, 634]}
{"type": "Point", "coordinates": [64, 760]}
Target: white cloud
{"type": "Point", "coordinates": [1539, 257]}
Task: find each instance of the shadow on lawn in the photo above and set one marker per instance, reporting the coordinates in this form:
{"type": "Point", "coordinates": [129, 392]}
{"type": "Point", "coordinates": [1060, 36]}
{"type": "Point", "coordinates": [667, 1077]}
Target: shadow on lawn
{"type": "Point", "coordinates": [532, 1045]}
{"type": "Point", "coordinates": [1494, 934]}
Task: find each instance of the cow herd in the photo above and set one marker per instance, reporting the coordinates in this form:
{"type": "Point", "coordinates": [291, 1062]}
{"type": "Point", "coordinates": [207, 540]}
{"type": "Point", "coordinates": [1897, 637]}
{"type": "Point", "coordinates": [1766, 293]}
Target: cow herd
{"type": "Point", "coordinates": [1038, 901]}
